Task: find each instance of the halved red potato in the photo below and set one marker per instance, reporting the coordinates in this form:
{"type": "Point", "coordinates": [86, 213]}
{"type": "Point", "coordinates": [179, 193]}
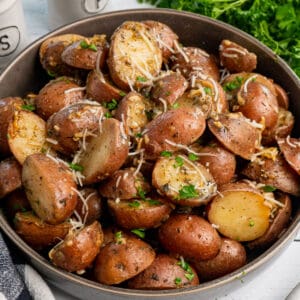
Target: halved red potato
{"type": "Point", "coordinates": [139, 213]}
{"type": "Point", "coordinates": [38, 234]}
{"type": "Point", "coordinates": [236, 58]}
{"type": "Point", "coordinates": [275, 172]}
{"type": "Point", "coordinates": [56, 95]}
{"type": "Point", "coordinates": [165, 272]}
{"type": "Point", "coordinates": [190, 236]}
{"type": "Point", "coordinates": [183, 181]}
{"type": "Point", "coordinates": [239, 212]}
{"type": "Point", "coordinates": [236, 133]}
{"type": "Point", "coordinates": [124, 184]}
{"type": "Point", "coordinates": [232, 255]}
{"type": "Point", "coordinates": [177, 126]}
{"type": "Point", "coordinates": [165, 37]}
{"type": "Point", "coordinates": [10, 176]}
{"type": "Point", "coordinates": [106, 152]}
{"type": "Point", "coordinates": [8, 106]}
{"type": "Point", "coordinates": [79, 248]}
{"type": "Point", "coordinates": [26, 134]}
{"type": "Point", "coordinates": [282, 96]}
{"type": "Point", "coordinates": [134, 56]}
{"type": "Point", "coordinates": [122, 259]}
{"type": "Point", "coordinates": [191, 61]}
{"type": "Point", "coordinates": [49, 187]}
{"type": "Point", "coordinates": [290, 147]}
{"type": "Point", "coordinates": [87, 53]}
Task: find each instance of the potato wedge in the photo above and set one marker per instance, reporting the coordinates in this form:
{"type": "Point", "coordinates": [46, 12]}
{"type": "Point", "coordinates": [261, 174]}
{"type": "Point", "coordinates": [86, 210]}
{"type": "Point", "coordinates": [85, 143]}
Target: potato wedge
{"type": "Point", "coordinates": [236, 133]}
{"type": "Point", "coordinates": [190, 236]}
{"type": "Point", "coordinates": [239, 212]}
{"type": "Point", "coordinates": [122, 259]}
{"type": "Point", "coordinates": [49, 187]}
{"type": "Point", "coordinates": [79, 248]}
{"type": "Point", "coordinates": [38, 234]}
{"type": "Point", "coordinates": [107, 152]}
{"type": "Point", "coordinates": [26, 134]}
{"type": "Point", "coordinates": [165, 272]}
{"type": "Point", "coordinates": [134, 56]}
{"type": "Point", "coordinates": [182, 181]}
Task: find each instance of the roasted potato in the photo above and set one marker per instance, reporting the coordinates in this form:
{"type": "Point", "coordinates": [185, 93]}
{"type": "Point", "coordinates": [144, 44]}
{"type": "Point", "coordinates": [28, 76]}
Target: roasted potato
{"type": "Point", "coordinates": [134, 56]}
{"type": "Point", "coordinates": [236, 58]}
{"type": "Point", "coordinates": [38, 234]}
{"type": "Point", "coordinates": [107, 152]}
{"type": "Point", "coordinates": [122, 259]}
{"type": "Point", "coordinates": [190, 236]}
{"type": "Point", "coordinates": [139, 213]}
{"type": "Point", "coordinates": [239, 212]}
{"type": "Point", "coordinates": [165, 272]}
{"type": "Point", "coordinates": [178, 126]}
{"type": "Point", "coordinates": [232, 255]}
{"type": "Point", "coordinates": [49, 187]}
{"type": "Point", "coordinates": [79, 248]}
{"type": "Point", "coordinates": [282, 96]}
{"type": "Point", "coordinates": [236, 133]}
{"type": "Point", "coordinates": [26, 134]}
{"type": "Point", "coordinates": [10, 176]}
{"type": "Point", "coordinates": [8, 106]}
{"type": "Point", "coordinates": [183, 181]}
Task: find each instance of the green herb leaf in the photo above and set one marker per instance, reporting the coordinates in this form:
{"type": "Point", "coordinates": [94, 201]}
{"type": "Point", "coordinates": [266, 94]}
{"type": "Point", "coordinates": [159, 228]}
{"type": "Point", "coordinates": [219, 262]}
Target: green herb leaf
{"type": "Point", "coordinates": [108, 115]}
{"type": "Point", "coordinates": [189, 276]}
{"type": "Point", "coordinates": [122, 94]}
{"type": "Point", "coordinates": [29, 107]}
{"type": "Point", "coordinates": [188, 192]}
{"type": "Point", "coordinates": [141, 193]}
{"type": "Point", "coordinates": [166, 153]}
{"type": "Point", "coordinates": [192, 156]}
{"type": "Point", "coordinates": [177, 281]}
{"type": "Point", "coordinates": [76, 167]}
{"type": "Point", "coordinates": [134, 204]}
{"type": "Point", "coordinates": [113, 104]}
{"type": "Point", "coordinates": [119, 237]}
{"type": "Point", "coordinates": [139, 135]}
{"type": "Point", "coordinates": [234, 84]}
{"type": "Point", "coordinates": [179, 162]}
{"type": "Point", "coordinates": [153, 202]}
{"type": "Point", "coordinates": [84, 44]}
{"type": "Point", "coordinates": [93, 47]}
{"type": "Point", "coordinates": [141, 79]}
{"type": "Point", "coordinates": [207, 90]}
{"type": "Point", "coordinates": [175, 105]}
{"type": "Point", "coordinates": [269, 188]}
{"type": "Point", "coordinates": [139, 232]}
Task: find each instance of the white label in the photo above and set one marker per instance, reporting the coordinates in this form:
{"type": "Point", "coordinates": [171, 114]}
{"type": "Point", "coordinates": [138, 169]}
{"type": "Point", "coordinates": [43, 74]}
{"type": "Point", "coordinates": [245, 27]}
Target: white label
{"type": "Point", "coordinates": [9, 40]}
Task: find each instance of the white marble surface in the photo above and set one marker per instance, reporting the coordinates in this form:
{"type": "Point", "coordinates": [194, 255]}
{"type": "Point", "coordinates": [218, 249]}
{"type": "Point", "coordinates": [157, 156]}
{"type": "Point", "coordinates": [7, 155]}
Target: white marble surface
{"type": "Point", "coordinates": [275, 282]}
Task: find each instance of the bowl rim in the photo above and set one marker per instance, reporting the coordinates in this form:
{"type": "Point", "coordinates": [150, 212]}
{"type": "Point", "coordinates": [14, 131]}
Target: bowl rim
{"type": "Point", "coordinates": [283, 241]}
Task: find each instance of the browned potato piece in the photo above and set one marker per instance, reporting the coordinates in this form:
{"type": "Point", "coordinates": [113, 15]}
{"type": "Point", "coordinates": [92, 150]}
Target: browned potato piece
{"type": "Point", "coordinates": [50, 54]}
{"type": "Point", "coordinates": [232, 256]}
{"type": "Point", "coordinates": [165, 37]}
{"type": "Point", "coordinates": [239, 212]}
{"type": "Point", "coordinates": [190, 236]}
{"type": "Point", "coordinates": [100, 89]}
{"type": "Point", "coordinates": [86, 53]}
{"type": "Point", "coordinates": [124, 184]}
{"type": "Point", "coordinates": [132, 112]}
{"type": "Point", "coordinates": [236, 133]}
{"type": "Point", "coordinates": [282, 97]}
{"type": "Point", "coordinates": [290, 147]}
{"type": "Point", "coordinates": [178, 126]}
{"type": "Point", "coordinates": [89, 205]}
{"type": "Point", "coordinates": [232, 84]}
{"type": "Point", "coordinates": [148, 213]}
{"type": "Point", "coordinates": [220, 162]}
{"type": "Point", "coordinates": [184, 182]}
{"type": "Point", "coordinates": [164, 273]}
{"type": "Point", "coordinates": [278, 224]}
{"type": "Point", "coordinates": [79, 248]}
{"type": "Point", "coordinates": [37, 233]}
{"type": "Point", "coordinates": [56, 95]}
{"type": "Point", "coordinates": [7, 108]}
{"type": "Point", "coordinates": [191, 60]}
{"type": "Point", "coordinates": [122, 259]}
{"type": "Point", "coordinates": [169, 88]}
{"type": "Point", "coordinates": [236, 58]}
{"type": "Point", "coordinates": [49, 187]}
{"type": "Point", "coordinates": [26, 134]}
{"type": "Point", "coordinates": [10, 176]}
{"type": "Point", "coordinates": [73, 123]}
{"type": "Point", "coordinates": [277, 173]}
{"type": "Point", "coordinates": [15, 202]}
{"type": "Point", "coordinates": [134, 56]}
{"type": "Point", "coordinates": [107, 152]}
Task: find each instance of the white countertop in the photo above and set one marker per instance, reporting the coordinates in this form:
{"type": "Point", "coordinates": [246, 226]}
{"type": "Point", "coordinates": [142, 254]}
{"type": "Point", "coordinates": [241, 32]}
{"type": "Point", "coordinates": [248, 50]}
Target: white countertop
{"type": "Point", "coordinates": [275, 282]}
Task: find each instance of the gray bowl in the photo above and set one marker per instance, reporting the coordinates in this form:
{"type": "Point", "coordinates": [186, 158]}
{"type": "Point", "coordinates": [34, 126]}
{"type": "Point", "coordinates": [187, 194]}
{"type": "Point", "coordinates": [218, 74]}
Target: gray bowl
{"type": "Point", "coordinates": [25, 75]}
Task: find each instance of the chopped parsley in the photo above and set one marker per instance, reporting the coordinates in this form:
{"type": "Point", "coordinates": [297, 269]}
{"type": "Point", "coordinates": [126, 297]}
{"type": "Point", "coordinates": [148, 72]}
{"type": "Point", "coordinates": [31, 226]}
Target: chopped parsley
{"type": "Point", "coordinates": [188, 192]}
{"type": "Point", "coordinates": [139, 135]}
{"type": "Point", "coordinates": [166, 153]}
{"type": "Point", "coordinates": [134, 204]}
{"type": "Point", "coordinates": [119, 237]}
{"type": "Point", "coordinates": [207, 90]}
{"type": "Point", "coordinates": [153, 202]}
{"type": "Point", "coordinates": [122, 94]}
{"type": "Point", "coordinates": [108, 115]}
{"type": "Point", "coordinates": [179, 162]}
{"type": "Point", "coordinates": [177, 281]}
{"type": "Point", "coordinates": [141, 79]}
{"type": "Point", "coordinates": [113, 104]}
{"type": "Point", "coordinates": [175, 105]}
{"type": "Point", "coordinates": [141, 193]}
{"type": "Point", "coordinates": [251, 223]}
{"type": "Point", "coordinates": [234, 84]}
{"type": "Point", "coordinates": [76, 167]}
{"type": "Point", "coordinates": [189, 276]}
{"type": "Point", "coordinates": [29, 107]}
{"type": "Point", "coordinates": [85, 45]}
{"type": "Point", "coordinates": [187, 268]}
{"type": "Point", "coordinates": [269, 188]}
{"type": "Point", "coordinates": [140, 232]}
{"type": "Point", "coordinates": [192, 156]}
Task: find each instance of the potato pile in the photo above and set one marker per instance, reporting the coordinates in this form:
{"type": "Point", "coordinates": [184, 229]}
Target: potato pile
{"type": "Point", "coordinates": [147, 163]}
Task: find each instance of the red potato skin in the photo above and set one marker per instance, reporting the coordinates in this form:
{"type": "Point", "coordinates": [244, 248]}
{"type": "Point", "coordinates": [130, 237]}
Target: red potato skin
{"type": "Point", "coordinates": [182, 126]}
{"type": "Point", "coordinates": [10, 176]}
{"type": "Point", "coordinates": [190, 236]}
{"type": "Point", "coordinates": [282, 97]}
{"type": "Point", "coordinates": [232, 255]}
{"type": "Point", "coordinates": [162, 274]}
{"type": "Point", "coordinates": [7, 107]}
